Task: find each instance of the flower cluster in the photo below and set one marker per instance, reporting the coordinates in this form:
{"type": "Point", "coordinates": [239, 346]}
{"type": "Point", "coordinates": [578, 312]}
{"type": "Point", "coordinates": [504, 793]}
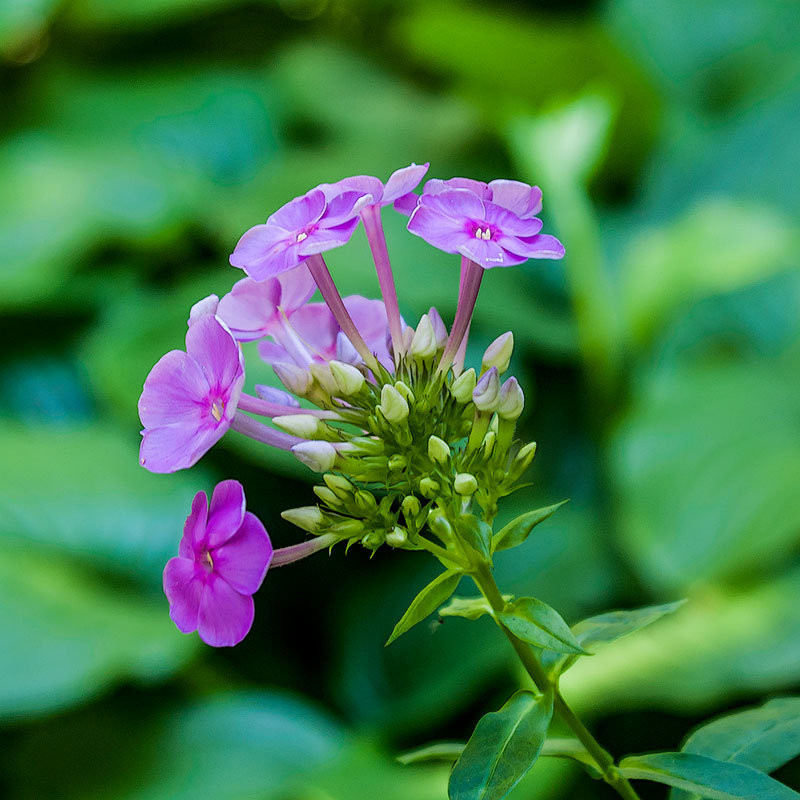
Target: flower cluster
{"type": "Point", "coordinates": [408, 443]}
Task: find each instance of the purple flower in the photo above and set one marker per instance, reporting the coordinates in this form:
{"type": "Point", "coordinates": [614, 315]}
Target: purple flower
{"type": "Point", "coordinates": [222, 560]}
{"type": "Point", "coordinates": [400, 183]}
{"type": "Point", "coordinates": [189, 399]}
{"type": "Point", "coordinates": [459, 221]}
{"type": "Point", "coordinates": [304, 227]}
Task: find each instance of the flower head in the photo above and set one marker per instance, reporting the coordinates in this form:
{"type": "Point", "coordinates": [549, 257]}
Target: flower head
{"type": "Point", "coordinates": [189, 398]}
{"type": "Point", "coordinates": [222, 560]}
{"type": "Point", "coordinates": [399, 184]}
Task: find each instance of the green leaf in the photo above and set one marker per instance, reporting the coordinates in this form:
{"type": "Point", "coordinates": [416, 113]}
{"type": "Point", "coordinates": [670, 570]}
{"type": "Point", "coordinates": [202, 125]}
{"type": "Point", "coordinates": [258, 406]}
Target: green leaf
{"type": "Point", "coordinates": [469, 607]}
{"type": "Point", "coordinates": [426, 602]}
{"type": "Point", "coordinates": [439, 751]}
{"type": "Point", "coordinates": [503, 747]}
{"type": "Point", "coordinates": [475, 534]}
{"type": "Point", "coordinates": [536, 623]}
{"type": "Point", "coordinates": [764, 738]}
{"type": "Point", "coordinates": [603, 629]}
{"type": "Point", "coordinates": [518, 530]}
{"type": "Point", "coordinates": [718, 780]}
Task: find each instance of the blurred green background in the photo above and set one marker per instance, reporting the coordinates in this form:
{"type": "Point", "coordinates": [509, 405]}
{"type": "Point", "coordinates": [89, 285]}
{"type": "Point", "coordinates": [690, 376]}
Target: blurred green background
{"type": "Point", "coordinates": [138, 140]}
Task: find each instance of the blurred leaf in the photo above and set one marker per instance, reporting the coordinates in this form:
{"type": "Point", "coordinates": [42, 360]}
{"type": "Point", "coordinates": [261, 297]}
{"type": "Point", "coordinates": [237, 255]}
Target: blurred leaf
{"type": "Point", "coordinates": [22, 21]}
{"type": "Point", "coordinates": [719, 780]}
{"type": "Point", "coordinates": [503, 747]}
{"type": "Point", "coordinates": [426, 602]}
{"type": "Point", "coordinates": [66, 638]}
{"type": "Point", "coordinates": [536, 623]}
{"type": "Point", "coordinates": [716, 247]}
{"type": "Point", "coordinates": [117, 14]}
{"type": "Point", "coordinates": [518, 530]}
{"type": "Point", "coordinates": [706, 468]}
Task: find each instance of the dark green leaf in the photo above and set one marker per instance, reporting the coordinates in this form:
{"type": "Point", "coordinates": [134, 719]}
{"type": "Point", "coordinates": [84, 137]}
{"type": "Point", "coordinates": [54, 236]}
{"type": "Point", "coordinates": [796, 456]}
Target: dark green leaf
{"type": "Point", "coordinates": [719, 780]}
{"type": "Point", "coordinates": [426, 602]}
{"type": "Point", "coordinates": [503, 747]}
{"type": "Point", "coordinates": [518, 530]}
{"type": "Point", "coordinates": [536, 623]}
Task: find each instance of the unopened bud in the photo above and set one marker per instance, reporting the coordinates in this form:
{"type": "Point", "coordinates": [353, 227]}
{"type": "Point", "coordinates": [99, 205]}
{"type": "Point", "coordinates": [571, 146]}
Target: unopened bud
{"type": "Point", "coordinates": [512, 400]}
{"type": "Point", "coordinates": [404, 390]}
{"type": "Point", "coordinates": [373, 540]}
{"type": "Point", "coordinates": [408, 337]}
{"type": "Point", "coordinates": [438, 450]}
{"type": "Point", "coordinates": [327, 496]}
{"type": "Point", "coordinates": [423, 345]}
{"type": "Point", "coordinates": [319, 456]}
{"type": "Point", "coordinates": [348, 527]}
{"type": "Point", "coordinates": [393, 405]}
{"type": "Point", "coordinates": [410, 506]}
{"type": "Point", "coordinates": [294, 378]}
{"type": "Point", "coordinates": [208, 305]}
{"type": "Point", "coordinates": [498, 353]}
{"type": "Point", "coordinates": [439, 329]}
{"type": "Point", "coordinates": [523, 459]}
{"type": "Point", "coordinates": [322, 375]}
{"type": "Point", "coordinates": [429, 488]}
{"type": "Point", "coordinates": [438, 523]}
{"type": "Point", "coordinates": [365, 501]}
{"type": "Point", "coordinates": [273, 395]}
{"type": "Point", "coordinates": [339, 485]}
{"type": "Point", "coordinates": [349, 379]}
{"type": "Point", "coordinates": [487, 391]}
{"type": "Point", "coordinates": [397, 462]}
{"type": "Point", "coordinates": [488, 443]}
{"type": "Point", "coordinates": [396, 537]}
{"type": "Point", "coordinates": [309, 518]}
{"type": "Point", "coordinates": [465, 484]}
{"type": "Point", "coordinates": [305, 426]}
{"type": "Point", "coordinates": [463, 386]}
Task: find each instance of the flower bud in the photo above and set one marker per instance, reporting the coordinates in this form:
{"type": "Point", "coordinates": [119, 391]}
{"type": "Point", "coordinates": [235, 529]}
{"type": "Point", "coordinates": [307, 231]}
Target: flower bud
{"type": "Point", "coordinates": [349, 379]}
{"type": "Point", "coordinates": [309, 518]}
{"type": "Point", "coordinates": [393, 405]}
{"type": "Point", "coordinates": [273, 395]}
{"type": "Point", "coordinates": [522, 460]}
{"type": "Point", "coordinates": [294, 378]}
{"type": "Point", "coordinates": [438, 450]}
{"type": "Point", "coordinates": [487, 391]}
{"type": "Point", "coordinates": [463, 386]}
{"type": "Point", "coordinates": [345, 352]}
{"type": "Point", "coordinates": [305, 426]}
{"type": "Point", "coordinates": [488, 443]}
{"type": "Point", "coordinates": [327, 496]}
{"type": "Point", "coordinates": [423, 345]}
{"type": "Point", "coordinates": [404, 390]}
{"type": "Point", "coordinates": [319, 456]}
{"type": "Point", "coordinates": [373, 540]}
{"type": "Point", "coordinates": [397, 462]}
{"type": "Point", "coordinates": [348, 527]}
{"type": "Point", "coordinates": [322, 375]}
{"type": "Point", "coordinates": [465, 484]}
{"type": "Point", "coordinates": [438, 523]}
{"type": "Point", "coordinates": [428, 488]}
{"type": "Point", "coordinates": [365, 501]}
{"type": "Point", "coordinates": [439, 329]}
{"type": "Point", "coordinates": [396, 537]}
{"type": "Point", "coordinates": [498, 353]}
{"type": "Point", "coordinates": [339, 485]}
{"type": "Point", "coordinates": [208, 305]}
{"type": "Point", "coordinates": [512, 400]}
{"type": "Point", "coordinates": [410, 506]}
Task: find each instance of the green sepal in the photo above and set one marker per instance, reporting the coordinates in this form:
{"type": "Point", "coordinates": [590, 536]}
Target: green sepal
{"type": "Point", "coordinates": [706, 777]}
{"type": "Point", "coordinates": [426, 602]}
{"type": "Point", "coordinates": [594, 632]}
{"type": "Point", "coordinates": [503, 747]}
{"type": "Point", "coordinates": [476, 534]}
{"type": "Point", "coordinates": [538, 624]}
{"type": "Point", "coordinates": [469, 607]}
{"type": "Point", "coordinates": [518, 530]}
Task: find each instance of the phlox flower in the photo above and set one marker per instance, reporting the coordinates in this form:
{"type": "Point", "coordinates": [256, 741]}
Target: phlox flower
{"type": "Point", "coordinates": [222, 560]}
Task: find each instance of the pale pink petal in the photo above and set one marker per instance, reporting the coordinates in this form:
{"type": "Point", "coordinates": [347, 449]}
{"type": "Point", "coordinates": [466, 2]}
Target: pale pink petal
{"type": "Point", "coordinates": [270, 264]}
{"type": "Point", "coordinates": [317, 328]}
{"type": "Point", "coordinates": [212, 345]}
{"type": "Point", "coordinates": [175, 389]}
{"type": "Point", "coordinates": [250, 308]}
{"type": "Point", "coordinates": [194, 529]}
{"type": "Point", "coordinates": [509, 223]}
{"type": "Point", "coordinates": [296, 288]}
{"type": "Point", "coordinates": [327, 238]}
{"type": "Point", "coordinates": [435, 186]}
{"type": "Point", "coordinates": [256, 243]}
{"type": "Point", "coordinates": [543, 246]}
{"type": "Point", "coordinates": [402, 181]}
{"type": "Point", "coordinates": [183, 585]}
{"type": "Point", "coordinates": [300, 212]}
{"type": "Point", "coordinates": [457, 203]}
{"type": "Point", "coordinates": [273, 353]}
{"type": "Point", "coordinates": [437, 229]}
{"type": "Point", "coordinates": [243, 560]}
{"type": "Point", "coordinates": [225, 615]}
{"type": "Point", "coordinates": [520, 198]}
{"type": "Point", "coordinates": [370, 318]}
{"type": "Point", "coordinates": [342, 208]}
{"type": "Point", "coordinates": [273, 395]}
{"type": "Point", "coordinates": [225, 513]}
{"type": "Point", "coordinates": [407, 203]}
{"type": "Point", "coordinates": [178, 446]}
{"type": "Point", "coordinates": [208, 305]}
{"type": "Point", "coordinates": [488, 253]}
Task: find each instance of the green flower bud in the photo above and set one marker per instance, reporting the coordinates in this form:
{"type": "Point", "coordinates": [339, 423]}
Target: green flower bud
{"type": "Point", "coordinates": [438, 523]}
{"type": "Point", "coordinates": [487, 391]}
{"type": "Point", "coordinates": [373, 540]}
{"type": "Point", "coordinates": [429, 488]}
{"type": "Point", "coordinates": [488, 443]}
{"type": "Point", "coordinates": [319, 456]}
{"type": "Point", "coordinates": [512, 400]}
{"type": "Point", "coordinates": [410, 506]}
{"type": "Point", "coordinates": [339, 485]}
{"type": "Point", "coordinates": [308, 518]}
{"type": "Point", "coordinates": [404, 390]}
{"type": "Point", "coordinates": [393, 405]}
{"type": "Point", "coordinates": [349, 379]}
{"type": "Point", "coordinates": [306, 426]}
{"type": "Point", "coordinates": [397, 462]}
{"type": "Point", "coordinates": [327, 496]}
{"type": "Point", "coordinates": [439, 329]}
{"type": "Point", "coordinates": [294, 378]}
{"type": "Point", "coordinates": [423, 345]}
{"type": "Point", "coordinates": [323, 376]}
{"type": "Point", "coordinates": [465, 484]}
{"type": "Point", "coordinates": [365, 501]}
{"type": "Point", "coordinates": [438, 450]}
{"type": "Point", "coordinates": [396, 537]}
{"type": "Point", "coordinates": [463, 386]}
{"type": "Point", "coordinates": [522, 460]}
{"type": "Point", "coordinates": [498, 353]}
{"type": "Point", "coordinates": [347, 528]}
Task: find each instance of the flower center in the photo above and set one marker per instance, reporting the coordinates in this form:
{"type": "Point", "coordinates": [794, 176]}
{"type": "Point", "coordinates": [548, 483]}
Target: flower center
{"type": "Point", "coordinates": [483, 233]}
{"type": "Point", "coordinates": [207, 561]}
{"type": "Point", "coordinates": [301, 236]}
{"type": "Point", "coordinates": [218, 409]}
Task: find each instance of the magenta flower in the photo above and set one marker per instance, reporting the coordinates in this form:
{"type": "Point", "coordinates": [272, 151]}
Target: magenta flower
{"type": "Point", "coordinates": [189, 399]}
{"type": "Point", "coordinates": [399, 184]}
{"type": "Point", "coordinates": [458, 221]}
{"type": "Point", "coordinates": [304, 227]}
{"type": "Point", "coordinates": [222, 560]}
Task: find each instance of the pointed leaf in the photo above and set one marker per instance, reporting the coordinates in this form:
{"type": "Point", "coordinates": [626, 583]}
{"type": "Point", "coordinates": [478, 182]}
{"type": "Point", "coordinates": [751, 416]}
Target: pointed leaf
{"type": "Point", "coordinates": [518, 530]}
{"type": "Point", "coordinates": [707, 777]}
{"type": "Point", "coordinates": [503, 747]}
{"type": "Point", "coordinates": [438, 751]}
{"type": "Point", "coordinates": [536, 623]}
{"type": "Point", "coordinates": [426, 602]}
{"type": "Point", "coordinates": [469, 607]}
{"type": "Point", "coordinates": [475, 534]}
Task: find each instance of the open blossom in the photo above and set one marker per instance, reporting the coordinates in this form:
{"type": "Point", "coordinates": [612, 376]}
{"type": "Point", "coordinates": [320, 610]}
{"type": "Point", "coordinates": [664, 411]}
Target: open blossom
{"type": "Point", "coordinates": [189, 398]}
{"type": "Point", "coordinates": [304, 227]}
{"type": "Point", "coordinates": [459, 221]}
{"type": "Point", "coordinates": [399, 184]}
{"type": "Point", "coordinates": [222, 560]}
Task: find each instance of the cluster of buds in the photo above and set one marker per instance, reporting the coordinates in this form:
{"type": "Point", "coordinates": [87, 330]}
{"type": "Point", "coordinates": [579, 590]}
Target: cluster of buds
{"type": "Point", "coordinates": [412, 448]}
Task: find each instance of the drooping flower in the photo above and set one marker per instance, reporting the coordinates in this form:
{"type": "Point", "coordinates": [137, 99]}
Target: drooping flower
{"type": "Point", "coordinates": [222, 560]}
{"type": "Point", "coordinates": [190, 398]}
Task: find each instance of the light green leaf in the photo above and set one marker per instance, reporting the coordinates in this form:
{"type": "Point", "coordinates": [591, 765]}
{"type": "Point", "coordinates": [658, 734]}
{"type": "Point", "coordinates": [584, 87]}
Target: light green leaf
{"type": "Point", "coordinates": [469, 607]}
{"type": "Point", "coordinates": [518, 530]}
{"type": "Point", "coordinates": [426, 602]}
{"type": "Point", "coordinates": [503, 747]}
{"type": "Point", "coordinates": [475, 534]}
{"type": "Point", "coordinates": [764, 738]}
{"type": "Point", "coordinates": [439, 751]}
{"type": "Point", "coordinates": [718, 780]}
{"type": "Point", "coordinates": [536, 623]}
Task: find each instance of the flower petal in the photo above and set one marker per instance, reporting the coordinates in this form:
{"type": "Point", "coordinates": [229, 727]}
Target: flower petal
{"type": "Point", "coordinates": [316, 326]}
{"type": "Point", "coordinates": [243, 560]}
{"type": "Point", "coordinates": [225, 615]}
{"type": "Point", "coordinates": [183, 585]}
{"type": "Point", "coordinates": [489, 253]}
{"type": "Point", "coordinates": [438, 229]}
{"type": "Point", "coordinates": [460, 204]}
{"type": "Point", "coordinates": [510, 223]}
{"type": "Point", "coordinates": [194, 529]}
{"type": "Point", "coordinates": [436, 186]}
{"type": "Point", "coordinates": [178, 446]}
{"type": "Point", "coordinates": [273, 353]}
{"type": "Point", "coordinates": [540, 246]}
{"type": "Point", "coordinates": [250, 307]}
{"type": "Point", "coordinates": [297, 287]}
{"type": "Point", "coordinates": [520, 198]}
{"type": "Point", "coordinates": [256, 243]}
{"type": "Point", "coordinates": [402, 181]}
{"type": "Point", "coordinates": [226, 512]}
{"type": "Point", "coordinates": [343, 208]}
{"type": "Point", "coordinates": [407, 203]}
{"type": "Point", "coordinates": [298, 213]}
{"type": "Point", "coordinates": [174, 391]}
{"type": "Point", "coordinates": [211, 344]}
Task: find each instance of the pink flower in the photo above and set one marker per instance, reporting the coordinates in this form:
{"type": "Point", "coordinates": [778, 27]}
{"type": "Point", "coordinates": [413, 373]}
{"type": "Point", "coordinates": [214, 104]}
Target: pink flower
{"type": "Point", "coordinates": [222, 560]}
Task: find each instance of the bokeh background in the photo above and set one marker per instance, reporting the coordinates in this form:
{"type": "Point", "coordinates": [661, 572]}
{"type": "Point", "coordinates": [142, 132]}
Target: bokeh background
{"type": "Point", "coordinates": [138, 140]}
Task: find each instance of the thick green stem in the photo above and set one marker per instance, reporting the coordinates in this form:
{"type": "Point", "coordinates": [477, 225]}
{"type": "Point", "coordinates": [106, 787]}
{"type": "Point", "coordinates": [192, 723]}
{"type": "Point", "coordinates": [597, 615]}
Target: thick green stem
{"type": "Point", "coordinates": [484, 580]}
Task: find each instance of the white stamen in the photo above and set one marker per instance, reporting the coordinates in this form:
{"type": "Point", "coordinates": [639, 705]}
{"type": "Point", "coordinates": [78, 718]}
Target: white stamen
{"type": "Point", "coordinates": [301, 236]}
{"type": "Point", "coordinates": [487, 234]}
{"type": "Point", "coordinates": [478, 233]}
{"type": "Point", "coordinates": [218, 409]}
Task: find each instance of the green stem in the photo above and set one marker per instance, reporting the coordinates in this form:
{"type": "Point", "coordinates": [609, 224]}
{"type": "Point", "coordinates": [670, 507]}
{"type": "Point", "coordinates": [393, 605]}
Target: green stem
{"type": "Point", "coordinates": [484, 580]}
